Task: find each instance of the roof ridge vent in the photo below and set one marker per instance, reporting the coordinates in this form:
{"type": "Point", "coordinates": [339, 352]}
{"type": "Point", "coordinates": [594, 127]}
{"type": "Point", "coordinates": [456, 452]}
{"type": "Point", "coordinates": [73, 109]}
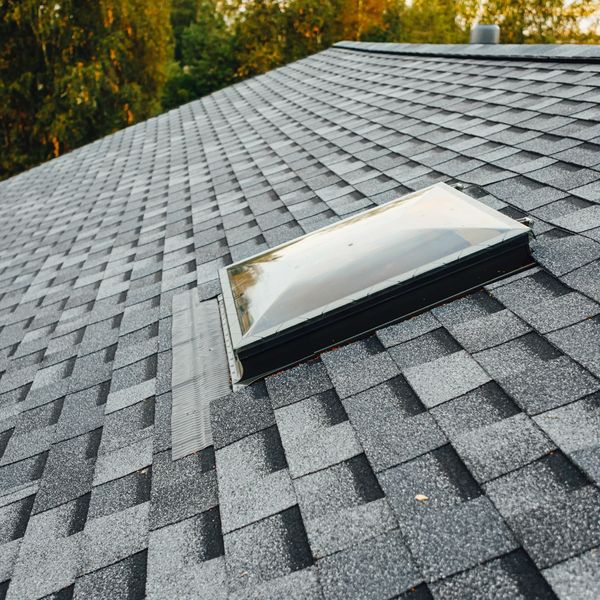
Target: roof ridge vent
{"type": "Point", "coordinates": [485, 34]}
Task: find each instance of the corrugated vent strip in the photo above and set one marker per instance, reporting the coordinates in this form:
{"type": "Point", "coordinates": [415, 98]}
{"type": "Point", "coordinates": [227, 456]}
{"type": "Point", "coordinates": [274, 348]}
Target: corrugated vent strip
{"type": "Point", "coordinates": [200, 371]}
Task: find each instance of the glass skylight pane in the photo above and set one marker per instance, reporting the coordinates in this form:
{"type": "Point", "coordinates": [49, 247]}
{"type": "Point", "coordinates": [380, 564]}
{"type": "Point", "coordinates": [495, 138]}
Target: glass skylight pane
{"type": "Point", "coordinates": [365, 271]}
{"type": "Point", "coordinates": [385, 243]}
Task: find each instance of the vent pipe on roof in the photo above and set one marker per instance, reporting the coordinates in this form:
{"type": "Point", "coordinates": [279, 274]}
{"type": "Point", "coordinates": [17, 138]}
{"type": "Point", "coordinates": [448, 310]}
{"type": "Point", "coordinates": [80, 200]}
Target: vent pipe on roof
{"type": "Point", "coordinates": [485, 34]}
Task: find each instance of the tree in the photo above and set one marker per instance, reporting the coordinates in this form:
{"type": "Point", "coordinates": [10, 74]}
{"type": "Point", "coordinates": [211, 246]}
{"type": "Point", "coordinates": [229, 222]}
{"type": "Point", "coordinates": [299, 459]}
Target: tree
{"type": "Point", "coordinates": [207, 57]}
{"type": "Point", "coordinates": [259, 38]}
{"type": "Point", "coordinates": [183, 14]}
{"type": "Point", "coordinates": [360, 16]}
{"type": "Point", "coordinates": [310, 26]}
{"type": "Point", "coordinates": [74, 71]}
{"type": "Point", "coordinates": [542, 21]}
{"type": "Point", "coordinates": [390, 28]}
{"type": "Point", "coordinates": [433, 22]}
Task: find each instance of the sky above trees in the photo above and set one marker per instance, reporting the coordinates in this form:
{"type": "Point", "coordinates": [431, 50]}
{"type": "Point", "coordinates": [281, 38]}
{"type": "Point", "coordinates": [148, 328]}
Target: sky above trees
{"type": "Point", "coordinates": [72, 71]}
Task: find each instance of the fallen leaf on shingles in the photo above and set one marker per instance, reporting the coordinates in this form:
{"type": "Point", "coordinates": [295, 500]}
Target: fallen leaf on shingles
{"type": "Point", "coordinates": [421, 497]}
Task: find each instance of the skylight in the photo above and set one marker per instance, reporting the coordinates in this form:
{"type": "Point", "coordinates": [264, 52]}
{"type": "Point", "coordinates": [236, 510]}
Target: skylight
{"type": "Point", "coordinates": [371, 269]}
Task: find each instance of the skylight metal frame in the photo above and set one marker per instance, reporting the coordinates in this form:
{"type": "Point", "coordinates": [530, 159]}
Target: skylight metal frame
{"type": "Point", "coordinates": [370, 309]}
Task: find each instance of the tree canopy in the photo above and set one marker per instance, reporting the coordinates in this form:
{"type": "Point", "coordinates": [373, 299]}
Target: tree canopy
{"type": "Point", "coordinates": [543, 21]}
{"type": "Point", "coordinates": [74, 70]}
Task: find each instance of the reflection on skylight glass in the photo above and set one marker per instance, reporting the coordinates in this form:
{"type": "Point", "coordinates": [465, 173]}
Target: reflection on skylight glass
{"type": "Point", "coordinates": [377, 246]}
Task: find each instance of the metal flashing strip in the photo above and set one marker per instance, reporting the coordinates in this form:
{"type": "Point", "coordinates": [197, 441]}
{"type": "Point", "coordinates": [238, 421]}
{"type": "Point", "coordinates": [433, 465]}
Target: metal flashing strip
{"type": "Point", "coordinates": [234, 370]}
{"type": "Point", "coordinates": [200, 371]}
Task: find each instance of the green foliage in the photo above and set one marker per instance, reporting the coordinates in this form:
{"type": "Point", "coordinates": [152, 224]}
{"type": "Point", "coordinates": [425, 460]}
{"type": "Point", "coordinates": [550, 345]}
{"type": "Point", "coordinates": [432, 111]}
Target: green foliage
{"type": "Point", "coordinates": [207, 57]}
{"type": "Point", "coordinates": [391, 27]}
{"type": "Point", "coordinates": [183, 13]}
{"type": "Point", "coordinates": [310, 26]}
{"type": "Point", "coordinates": [542, 21]}
{"type": "Point", "coordinates": [73, 71]}
{"type": "Point", "coordinates": [432, 21]}
{"type": "Point", "coordinates": [425, 22]}
{"type": "Point", "coordinates": [259, 39]}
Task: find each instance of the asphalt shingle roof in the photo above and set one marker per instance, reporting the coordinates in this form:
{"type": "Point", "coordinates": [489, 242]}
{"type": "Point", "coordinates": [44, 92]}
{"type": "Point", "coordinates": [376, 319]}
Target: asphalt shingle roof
{"type": "Point", "coordinates": [453, 455]}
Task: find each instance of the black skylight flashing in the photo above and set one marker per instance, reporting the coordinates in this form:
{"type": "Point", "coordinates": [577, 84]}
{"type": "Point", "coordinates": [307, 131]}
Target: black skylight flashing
{"type": "Point", "coordinates": [298, 338]}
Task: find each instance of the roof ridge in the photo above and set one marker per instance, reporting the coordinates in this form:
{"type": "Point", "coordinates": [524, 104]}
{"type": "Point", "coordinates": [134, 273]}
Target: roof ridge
{"type": "Point", "coordinates": [544, 52]}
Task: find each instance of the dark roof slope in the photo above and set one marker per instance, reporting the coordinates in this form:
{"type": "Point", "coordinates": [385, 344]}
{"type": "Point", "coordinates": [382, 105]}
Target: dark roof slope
{"type": "Point", "coordinates": [455, 455]}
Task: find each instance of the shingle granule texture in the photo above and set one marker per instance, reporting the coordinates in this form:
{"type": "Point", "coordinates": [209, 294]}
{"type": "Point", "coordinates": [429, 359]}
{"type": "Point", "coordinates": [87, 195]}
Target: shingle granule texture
{"type": "Point", "coordinates": [453, 455]}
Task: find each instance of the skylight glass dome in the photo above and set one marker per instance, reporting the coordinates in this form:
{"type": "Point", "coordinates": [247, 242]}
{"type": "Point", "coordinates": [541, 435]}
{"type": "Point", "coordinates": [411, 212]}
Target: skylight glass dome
{"type": "Point", "coordinates": [363, 272]}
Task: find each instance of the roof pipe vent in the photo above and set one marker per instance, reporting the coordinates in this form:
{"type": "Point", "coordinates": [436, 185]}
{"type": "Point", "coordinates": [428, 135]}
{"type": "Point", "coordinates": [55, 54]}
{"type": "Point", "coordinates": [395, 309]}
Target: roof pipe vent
{"type": "Point", "coordinates": [485, 34]}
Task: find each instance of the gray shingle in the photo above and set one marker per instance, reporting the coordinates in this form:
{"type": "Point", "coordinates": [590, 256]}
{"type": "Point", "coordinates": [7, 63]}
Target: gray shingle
{"type": "Point", "coordinates": [446, 378]}
{"type": "Point", "coordinates": [50, 554]}
{"type": "Point", "coordinates": [546, 385]}
{"type": "Point", "coordinates": [580, 220]}
{"type": "Point", "coordinates": [82, 412]}
{"type": "Point", "coordinates": [562, 529]}
{"type": "Point", "coordinates": [297, 383]}
{"type": "Point", "coordinates": [500, 447]}
{"type": "Point", "coordinates": [576, 429]}
{"type": "Point", "coordinates": [28, 444]}
{"type": "Point", "coordinates": [586, 280]}
{"type": "Point", "coordinates": [240, 414]}
{"type": "Point", "coordinates": [8, 557]}
{"type": "Point", "coordinates": [510, 576]}
{"type": "Point", "coordinates": [524, 193]}
{"type": "Point", "coordinates": [182, 488]}
{"type": "Point", "coordinates": [585, 155]}
{"type": "Point", "coordinates": [473, 306]}
{"type": "Point", "coordinates": [423, 349]}
{"type": "Point", "coordinates": [526, 352]}
{"type": "Point", "coordinates": [114, 537]}
{"type": "Point", "coordinates": [122, 580]}
{"type": "Point", "coordinates": [407, 330]}
{"type": "Point", "coordinates": [128, 426]}
{"type": "Point", "coordinates": [527, 290]}
{"type": "Point", "coordinates": [565, 176]}
{"type": "Point", "coordinates": [341, 506]}
{"type": "Point", "coordinates": [69, 471]}
{"type": "Point", "coordinates": [439, 476]}
{"type": "Point", "coordinates": [576, 577]}
{"type": "Point", "coordinates": [589, 191]}
{"type": "Point", "coordinates": [391, 426]}
{"type": "Point", "coordinates": [316, 433]}
{"type": "Point", "coordinates": [123, 461]}
{"type": "Point", "coordinates": [551, 479]}
{"type": "Point", "coordinates": [254, 482]}
{"type": "Point", "coordinates": [560, 312]}
{"type": "Point", "coordinates": [130, 395]}
{"type": "Point", "coordinates": [269, 549]}
{"type": "Point", "coordinates": [565, 254]}
{"type": "Point", "coordinates": [380, 568]}
{"type": "Point", "coordinates": [185, 559]}
{"type": "Point", "coordinates": [483, 406]}
{"type": "Point", "coordinates": [119, 494]}
{"type": "Point", "coordinates": [88, 274]}
{"type": "Point", "coordinates": [298, 585]}
{"type": "Point", "coordinates": [499, 327]}
{"type": "Point", "coordinates": [162, 423]}
{"type": "Point", "coordinates": [358, 366]}
{"type": "Point", "coordinates": [455, 538]}
{"type": "Point", "coordinates": [581, 342]}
